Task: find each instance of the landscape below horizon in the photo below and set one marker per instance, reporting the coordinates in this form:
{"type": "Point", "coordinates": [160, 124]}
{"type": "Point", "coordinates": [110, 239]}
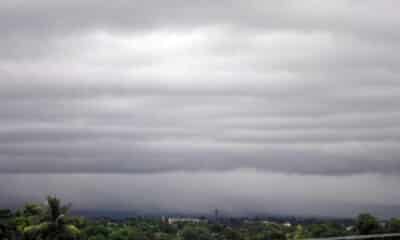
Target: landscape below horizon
{"type": "Point", "coordinates": [53, 220]}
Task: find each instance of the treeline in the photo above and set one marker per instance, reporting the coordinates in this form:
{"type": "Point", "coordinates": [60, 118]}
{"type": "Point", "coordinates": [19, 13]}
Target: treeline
{"type": "Point", "coordinates": [52, 221]}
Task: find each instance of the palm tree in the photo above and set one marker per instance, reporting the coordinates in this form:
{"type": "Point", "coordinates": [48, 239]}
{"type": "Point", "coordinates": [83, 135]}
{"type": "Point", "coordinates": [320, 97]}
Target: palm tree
{"type": "Point", "coordinates": [53, 224]}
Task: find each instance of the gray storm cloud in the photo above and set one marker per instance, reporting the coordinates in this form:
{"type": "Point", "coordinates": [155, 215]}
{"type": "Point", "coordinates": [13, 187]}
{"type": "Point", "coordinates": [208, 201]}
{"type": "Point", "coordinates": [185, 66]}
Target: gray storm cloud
{"type": "Point", "coordinates": [296, 90]}
{"type": "Point", "coordinates": [234, 193]}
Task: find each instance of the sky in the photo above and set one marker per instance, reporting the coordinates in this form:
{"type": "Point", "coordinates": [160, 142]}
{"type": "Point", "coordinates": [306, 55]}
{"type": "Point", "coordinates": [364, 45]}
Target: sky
{"type": "Point", "coordinates": [251, 107]}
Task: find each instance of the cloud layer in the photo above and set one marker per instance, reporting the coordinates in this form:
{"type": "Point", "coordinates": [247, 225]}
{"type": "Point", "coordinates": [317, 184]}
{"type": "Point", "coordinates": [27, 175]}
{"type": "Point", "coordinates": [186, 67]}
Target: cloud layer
{"type": "Point", "coordinates": [234, 193]}
{"type": "Point", "coordinates": [211, 87]}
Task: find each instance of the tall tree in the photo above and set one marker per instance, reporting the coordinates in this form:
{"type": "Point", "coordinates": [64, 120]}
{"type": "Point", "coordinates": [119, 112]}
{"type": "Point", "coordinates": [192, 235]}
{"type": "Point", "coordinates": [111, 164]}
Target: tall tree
{"type": "Point", "coordinates": [367, 224]}
{"type": "Point", "coordinates": [52, 224]}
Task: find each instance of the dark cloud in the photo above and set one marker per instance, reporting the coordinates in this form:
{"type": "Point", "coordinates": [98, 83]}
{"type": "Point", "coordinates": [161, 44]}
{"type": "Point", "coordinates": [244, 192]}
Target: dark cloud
{"type": "Point", "coordinates": [303, 90]}
{"type": "Point", "coordinates": [234, 193]}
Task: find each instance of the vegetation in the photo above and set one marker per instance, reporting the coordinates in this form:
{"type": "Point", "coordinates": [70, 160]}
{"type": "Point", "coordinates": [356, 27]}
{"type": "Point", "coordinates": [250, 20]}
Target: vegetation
{"type": "Point", "coordinates": [52, 221]}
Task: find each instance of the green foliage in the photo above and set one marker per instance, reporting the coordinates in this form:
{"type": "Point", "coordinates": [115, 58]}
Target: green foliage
{"type": "Point", "coordinates": [196, 233]}
{"type": "Point", "coordinates": [32, 210]}
{"type": "Point", "coordinates": [127, 233]}
{"type": "Point", "coordinates": [7, 226]}
{"type": "Point", "coordinates": [325, 230]}
{"type": "Point", "coordinates": [394, 225]}
{"type": "Point", "coordinates": [300, 233]}
{"type": "Point", "coordinates": [163, 236]}
{"type": "Point", "coordinates": [97, 237]}
{"type": "Point", "coordinates": [96, 229]}
{"type": "Point", "coordinates": [216, 228]}
{"type": "Point", "coordinates": [367, 224]}
{"type": "Point", "coordinates": [47, 222]}
{"type": "Point", "coordinates": [51, 221]}
{"type": "Point", "coordinates": [168, 228]}
{"type": "Point", "coordinates": [5, 213]}
{"type": "Point", "coordinates": [231, 234]}
{"type": "Point", "coordinates": [270, 232]}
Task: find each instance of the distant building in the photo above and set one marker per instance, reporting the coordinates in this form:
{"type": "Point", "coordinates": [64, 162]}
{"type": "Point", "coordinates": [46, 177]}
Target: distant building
{"type": "Point", "coordinates": [287, 224]}
{"type": "Point", "coordinates": [192, 220]}
{"type": "Point", "coordinates": [350, 228]}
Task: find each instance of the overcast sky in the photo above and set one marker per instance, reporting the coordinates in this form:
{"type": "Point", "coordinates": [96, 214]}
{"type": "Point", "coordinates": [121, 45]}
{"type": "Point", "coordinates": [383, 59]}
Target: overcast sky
{"type": "Point", "coordinates": [289, 107]}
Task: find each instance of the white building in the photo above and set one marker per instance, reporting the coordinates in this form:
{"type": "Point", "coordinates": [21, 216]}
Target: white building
{"type": "Point", "coordinates": [192, 220]}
